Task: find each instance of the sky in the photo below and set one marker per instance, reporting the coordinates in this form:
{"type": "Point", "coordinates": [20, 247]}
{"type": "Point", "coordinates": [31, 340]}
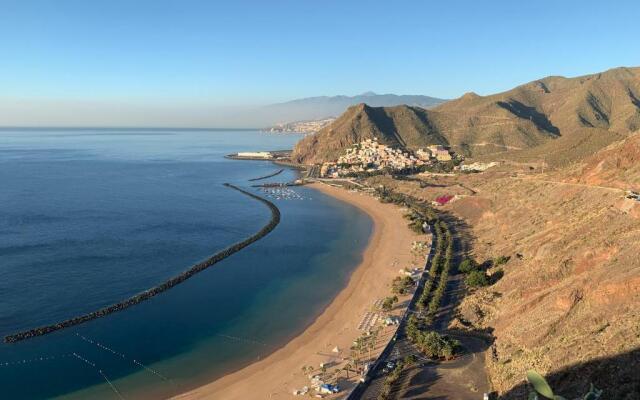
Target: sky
{"type": "Point", "coordinates": [207, 63]}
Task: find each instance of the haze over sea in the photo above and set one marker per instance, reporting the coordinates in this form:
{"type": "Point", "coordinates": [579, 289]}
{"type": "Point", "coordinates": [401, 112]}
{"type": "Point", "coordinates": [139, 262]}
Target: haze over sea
{"type": "Point", "coordinates": [89, 217]}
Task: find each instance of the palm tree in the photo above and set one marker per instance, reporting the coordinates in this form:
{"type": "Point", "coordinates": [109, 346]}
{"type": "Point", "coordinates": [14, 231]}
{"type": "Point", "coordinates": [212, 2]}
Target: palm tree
{"type": "Point", "coordinates": [360, 345]}
{"type": "Point", "coordinates": [346, 368]}
{"type": "Point", "coordinates": [354, 356]}
{"type": "Point", "coordinates": [334, 376]}
{"type": "Point", "coordinates": [370, 344]}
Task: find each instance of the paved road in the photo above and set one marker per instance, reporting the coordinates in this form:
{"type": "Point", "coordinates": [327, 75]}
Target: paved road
{"type": "Point", "coordinates": [460, 379]}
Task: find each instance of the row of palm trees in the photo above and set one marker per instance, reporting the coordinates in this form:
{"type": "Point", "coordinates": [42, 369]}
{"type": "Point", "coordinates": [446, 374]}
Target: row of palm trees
{"type": "Point", "coordinates": [443, 278]}
{"type": "Point", "coordinates": [359, 355]}
{"type": "Point", "coordinates": [436, 261]}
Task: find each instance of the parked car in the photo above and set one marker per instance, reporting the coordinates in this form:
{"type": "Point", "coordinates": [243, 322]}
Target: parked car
{"type": "Point", "coordinates": [329, 389]}
{"type": "Point", "coordinates": [389, 366]}
{"type": "Point", "coordinates": [366, 368]}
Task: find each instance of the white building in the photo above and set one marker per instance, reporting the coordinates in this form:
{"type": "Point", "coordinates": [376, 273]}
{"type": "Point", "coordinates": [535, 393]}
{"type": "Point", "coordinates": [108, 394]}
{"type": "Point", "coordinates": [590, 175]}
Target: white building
{"type": "Point", "coordinates": [255, 154]}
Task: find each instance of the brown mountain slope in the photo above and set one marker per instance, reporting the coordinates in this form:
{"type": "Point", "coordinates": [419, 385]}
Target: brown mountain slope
{"type": "Point", "coordinates": [573, 296]}
{"type": "Point", "coordinates": [557, 119]}
{"type": "Point", "coordinates": [607, 100]}
{"type": "Point", "coordinates": [570, 295]}
{"type": "Point", "coordinates": [587, 113]}
{"type": "Point", "coordinates": [395, 126]}
{"type": "Point", "coordinates": [617, 165]}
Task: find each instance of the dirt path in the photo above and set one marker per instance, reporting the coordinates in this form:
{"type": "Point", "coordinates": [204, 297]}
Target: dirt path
{"type": "Point", "coordinates": [573, 184]}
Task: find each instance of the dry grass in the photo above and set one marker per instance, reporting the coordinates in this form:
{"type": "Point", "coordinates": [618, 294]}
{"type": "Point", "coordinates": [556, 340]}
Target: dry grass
{"type": "Point", "coordinates": [571, 292]}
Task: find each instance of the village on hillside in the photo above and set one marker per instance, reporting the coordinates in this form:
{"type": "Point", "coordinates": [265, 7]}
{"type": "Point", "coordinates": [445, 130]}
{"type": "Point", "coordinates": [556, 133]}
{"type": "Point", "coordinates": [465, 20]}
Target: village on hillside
{"type": "Point", "coordinates": [370, 157]}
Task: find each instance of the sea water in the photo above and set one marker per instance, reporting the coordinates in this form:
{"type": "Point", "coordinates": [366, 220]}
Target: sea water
{"type": "Point", "coordinates": [89, 217]}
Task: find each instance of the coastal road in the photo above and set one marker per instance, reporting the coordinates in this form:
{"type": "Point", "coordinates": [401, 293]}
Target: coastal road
{"type": "Point", "coordinates": [463, 378]}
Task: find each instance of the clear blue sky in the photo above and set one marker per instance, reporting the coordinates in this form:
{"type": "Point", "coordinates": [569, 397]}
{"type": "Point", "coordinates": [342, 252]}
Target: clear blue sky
{"type": "Point", "coordinates": [186, 54]}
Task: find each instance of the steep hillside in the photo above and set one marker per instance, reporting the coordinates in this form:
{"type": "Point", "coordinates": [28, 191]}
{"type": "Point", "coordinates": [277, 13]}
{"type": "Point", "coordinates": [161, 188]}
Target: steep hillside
{"type": "Point", "coordinates": [573, 293]}
{"type": "Point", "coordinates": [556, 119]}
{"type": "Point", "coordinates": [396, 126]}
{"type": "Point", "coordinates": [584, 114]}
{"type": "Point", "coordinates": [568, 304]}
{"type": "Point", "coordinates": [617, 165]}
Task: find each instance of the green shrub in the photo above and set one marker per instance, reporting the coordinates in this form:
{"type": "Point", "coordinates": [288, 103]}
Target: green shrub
{"type": "Point", "coordinates": [388, 303]}
{"type": "Point", "coordinates": [476, 279]}
{"type": "Point", "coordinates": [416, 225]}
{"type": "Point", "coordinates": [434, 345]}
{"type": "Point", "coordinates": [500, 260]}
{"type": "Point", "coordinates": [402, 285]}
{"type": "Point", "coordinates": [467, 265]}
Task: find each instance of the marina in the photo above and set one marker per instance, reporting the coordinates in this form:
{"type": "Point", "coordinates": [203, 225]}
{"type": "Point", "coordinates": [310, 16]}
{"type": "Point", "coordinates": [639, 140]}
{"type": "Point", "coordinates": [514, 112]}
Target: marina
{"type": "Point", "coordinates": [282, 193]}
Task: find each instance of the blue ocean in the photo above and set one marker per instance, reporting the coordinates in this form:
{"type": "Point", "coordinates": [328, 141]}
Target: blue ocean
{"type": "Point", "coordinates": [89, 217]}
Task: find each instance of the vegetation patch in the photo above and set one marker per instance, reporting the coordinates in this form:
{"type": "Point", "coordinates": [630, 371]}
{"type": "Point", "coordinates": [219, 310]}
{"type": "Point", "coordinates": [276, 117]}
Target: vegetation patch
{"type": "Point", "coordinates": [431, 343]}
{"type": "Point", "coordinates": [402, 285]}
{"type": "Point", "coordinates": [476, 279]}
{"type": "Point", "coordinates": [394, 376]}
{"type": "Point", "coordinates": [388, 302]}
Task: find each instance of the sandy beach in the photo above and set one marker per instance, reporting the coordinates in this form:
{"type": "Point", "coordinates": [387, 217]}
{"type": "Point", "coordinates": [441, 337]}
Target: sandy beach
{"type": "Point", "coordinates": [279, 374]}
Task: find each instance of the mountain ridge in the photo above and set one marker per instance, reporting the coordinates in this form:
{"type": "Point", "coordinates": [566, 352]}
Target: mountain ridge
{"type": "Point", "coordinates": [558, 119]}
{"type": "Point", "coordinates": [377, 98]}
{"type": "Point", "coordinates": [321, 107]}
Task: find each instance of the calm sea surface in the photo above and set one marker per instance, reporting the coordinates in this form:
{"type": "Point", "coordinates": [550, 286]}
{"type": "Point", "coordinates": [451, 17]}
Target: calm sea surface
{"type": "Point", "coordinates": [89, 217]}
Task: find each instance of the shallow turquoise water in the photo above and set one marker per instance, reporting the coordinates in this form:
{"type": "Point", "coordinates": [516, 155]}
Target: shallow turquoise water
{"type": "Point", "coordinates": [90, 217]}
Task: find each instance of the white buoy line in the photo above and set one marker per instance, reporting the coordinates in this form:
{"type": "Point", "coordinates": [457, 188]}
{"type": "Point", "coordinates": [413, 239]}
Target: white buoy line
{"type": "Point", "coordinates": [121, 355]}
{"type": "Point", "coordinates": [92, 364]}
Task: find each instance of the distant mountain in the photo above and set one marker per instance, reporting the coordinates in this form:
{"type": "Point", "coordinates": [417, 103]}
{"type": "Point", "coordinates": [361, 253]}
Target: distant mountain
{"type": "Point", "coordinates": [315, 108]}
{"type": "Point", "coordinates": [556, 119]}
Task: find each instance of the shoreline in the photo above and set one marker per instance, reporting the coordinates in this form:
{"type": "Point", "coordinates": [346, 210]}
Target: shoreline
{"type": "Point", "coordinates": [278, 374]}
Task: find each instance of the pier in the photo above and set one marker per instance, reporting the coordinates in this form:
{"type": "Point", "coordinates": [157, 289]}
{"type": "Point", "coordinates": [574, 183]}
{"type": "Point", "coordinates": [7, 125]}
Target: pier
{"type": "Point", "coordinates": [267, 176]}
